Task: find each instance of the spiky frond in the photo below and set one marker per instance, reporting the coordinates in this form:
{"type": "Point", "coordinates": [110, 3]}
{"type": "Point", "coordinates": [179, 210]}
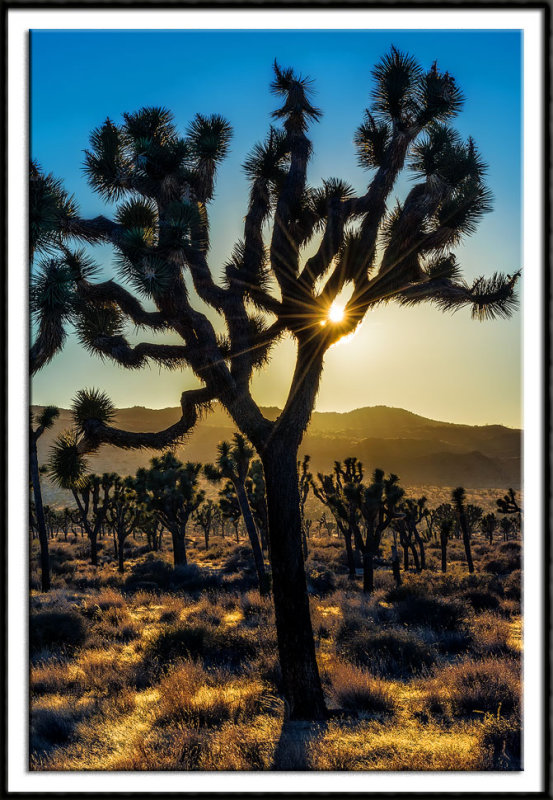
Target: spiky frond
{"type": "Point", "coordinates": [81, 266]}
{"type": "Point", "coordinates": [494, 297]}
{"type": "Point", "coordinates": [97, 320]}
{"type": "Point", "coordinates": [209, 137]}
{"type": "Point", "coordinates": [296, 89]}
{"type": "Point", "coordinates": [460, 211]}
{"type": "Point", "coordinates": [106, 164]}
{"type": "Point", "coordinates": [350, 255]}
{"type": "Point", "coordinates": [438, 96]}
{"type": "Point", "coordinates": [137, 213]}
{"type": "Point", "coordinates": [332, 189]}
{"type": "Point", "coordinates": [92, 404]}
{"type": "Point", "coordinates": [396, 76]}
{"type": "Point", "coordinates": [51, 291]}
{"type": "Point", "coordinates": [268, 159]}
{"type": "Point", "coordinates": [149, 274]}
{"type": "Point", "coordinates": [443, 154]}
{"type": "Point", "coordinates": [50, 207]}
{"type": "Point", "coordinates": [66, 466]}
{"type": "Point", "coordinates": [148, 124]}
{"type": "Point", "coordinates": [445, 268]}
{"type": "Point", "coordinates": [371, 141]}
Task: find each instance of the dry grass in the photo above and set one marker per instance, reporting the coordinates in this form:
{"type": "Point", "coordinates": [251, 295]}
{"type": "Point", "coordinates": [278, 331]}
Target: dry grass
{"type": "Point", "coordinates": [165, 669]}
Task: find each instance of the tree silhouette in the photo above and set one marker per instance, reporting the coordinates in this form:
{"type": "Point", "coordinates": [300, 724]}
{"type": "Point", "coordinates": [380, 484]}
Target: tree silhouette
{"type": "Point", "coordinates": [163, 183]}
{"type": "Point", "coordinates": [204, 516]}
{"type": "Point", "coordinates": [489, 525]}
{"type": "Point", "coordinates": [122, 513]}
{"type": "Point", "coordinates": [257, 498]}
{"type": "Point", "coordinates": [229, 505]}
{"type": "Point", "coordinates": [233, 463]}
{"type": "Point", "coordinates": [508, 503]}
{"type": "Point", "coordinates": [169, 488]}
{"type": "Point", "coordinates": [458, 496]}
{"type": "Point", "coordinates": [44, 421]}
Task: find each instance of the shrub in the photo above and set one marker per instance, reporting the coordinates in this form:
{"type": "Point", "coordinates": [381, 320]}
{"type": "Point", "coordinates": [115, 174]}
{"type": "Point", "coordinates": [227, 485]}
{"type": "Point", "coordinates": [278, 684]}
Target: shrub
{"type": "Point", "coordinates": [388, 652]}
{"type": "Point", "coordinates": [502, 739]}
{"type": "Point", "coordinates": [51, 629]}
{"type": "Point", "coordinates": [200, 641]}
{"type": "Point", "coordinates": [320, 581]}
{"type": "Point", "coordinates": [436, 613]}
{"type": "Point", "coordinates": [492, 685]}
{"type": "Point", "coordinates": [481, 601]}
{"type": "Point", "coordinates": [354, 690]}
{"type": "Point", "coordinates": [513, 585]}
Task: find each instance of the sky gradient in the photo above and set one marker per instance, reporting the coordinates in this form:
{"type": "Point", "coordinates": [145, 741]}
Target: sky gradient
{"type": "Point", "coordinates": [442, 366]}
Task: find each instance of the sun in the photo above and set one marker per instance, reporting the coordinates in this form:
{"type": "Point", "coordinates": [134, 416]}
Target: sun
{"type": "Point", "coordinates": [336, 313]}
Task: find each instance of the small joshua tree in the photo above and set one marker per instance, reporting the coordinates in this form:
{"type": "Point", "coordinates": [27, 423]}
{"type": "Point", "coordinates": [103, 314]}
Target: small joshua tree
{"type": "Point", "coordinates": [163, 183]}
{"type": "Point", "coordinates": [508, 504]}
{"type": "Point", "coordinates": [257, 498]}
{"type": "Point", "coordinates": [489, 525]}
{"type": "Point", "coordinates": [230, 507]}
{"type": "Point", "coordinates": [204, 516]}
{"type": "Point", "coordinates": [169, 488]}
{"type": "Point", "coordinates": [458, 498]}
{"type": "Point", "coordinates": [122, 513]}
{"type": "Point", "coordinates": [233, 463]}
{"type": "Point", "coordinates": [444, 519]}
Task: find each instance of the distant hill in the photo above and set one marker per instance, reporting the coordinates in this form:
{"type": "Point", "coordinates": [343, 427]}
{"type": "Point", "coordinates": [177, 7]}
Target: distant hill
{"type": "Point", "coordinates": [419, 450]}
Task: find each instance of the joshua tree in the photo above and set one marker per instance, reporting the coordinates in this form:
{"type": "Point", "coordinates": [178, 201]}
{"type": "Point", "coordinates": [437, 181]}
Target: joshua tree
{"type": "Point", "coordinates": [164, 183]}
{"type": "Point", "coordinates": [330, 491]}
{"type": "Point", "coordinates": [257, 498]}
{"type": "Point", "coordinates": [508, 503]}
{"type": "Point", "coordinates": [458, 498]}
{"type": "Point", "coordinates": [169, 489]}
{"type": "Point", "coordinates": [230, 507]}
{"type": "Point", "coordinates": [489, 525]}
{"type": "Point", "coordinates": [506, 525]}
{"type": "Point", "coordinates": [415, 511]}
{"type": "Point", "coordinates": [233, 463]}
{"type": "Point", "coordinates": [44, 421]}
{"type": "Point", "coordinates": [204, 516]}
{"type": "Point", "coordinates": [377, 506]}
{"type": "Point", "coordinates": [122, 513]}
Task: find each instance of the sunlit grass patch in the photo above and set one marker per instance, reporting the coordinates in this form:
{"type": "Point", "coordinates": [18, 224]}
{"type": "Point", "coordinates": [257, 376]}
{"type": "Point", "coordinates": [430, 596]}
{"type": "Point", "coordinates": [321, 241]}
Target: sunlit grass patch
{"type": "Point", "coordinates": [375, 746]}
{"type": "Point", "coordinates": [356, 691]}
{"type": "Point", "coordinates": [469, 687]}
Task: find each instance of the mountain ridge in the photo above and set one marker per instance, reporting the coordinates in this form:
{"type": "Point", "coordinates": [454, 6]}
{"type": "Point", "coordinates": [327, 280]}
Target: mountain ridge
{"type": "Point", "coordinates": [420, 450]}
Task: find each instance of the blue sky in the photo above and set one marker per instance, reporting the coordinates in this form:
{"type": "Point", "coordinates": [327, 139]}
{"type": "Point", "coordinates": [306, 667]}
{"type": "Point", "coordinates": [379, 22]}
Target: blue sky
{"type": "Point", "coordinates": [78, 78]}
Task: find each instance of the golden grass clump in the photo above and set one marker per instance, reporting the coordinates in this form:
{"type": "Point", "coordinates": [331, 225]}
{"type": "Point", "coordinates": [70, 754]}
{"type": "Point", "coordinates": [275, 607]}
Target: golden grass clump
{"type": "Point", "coordinates": [355, 690]}
{"type": "Point", "coordinates": [191, 695]}
{"type": "Point", "coordinates": [376, 746]}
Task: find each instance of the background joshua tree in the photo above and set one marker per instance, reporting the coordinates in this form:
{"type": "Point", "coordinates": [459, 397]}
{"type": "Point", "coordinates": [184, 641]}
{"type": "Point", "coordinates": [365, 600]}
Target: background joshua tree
{"type": "Point", "coordinates": [164, 182]}
{"type": "Point", "coordinates": [489, 525]}
{"type": "Point", "coordinates": [169, 488]}
{"type": "Point", "coordinates": [233, 463]}
{"type": "Point", "coordinates": [508, 503]}
{"type": "Point", "coordinates": [257, 498]}
{"type": "Point", "coordinates": [204, 516]}
{"type": "Point", "coordinates": [230, 507]}
{"type": "Point", "coordinates": [44, 421]}
{"type": "Point", "coordinates": [330, 491]}
{"type": "Point", "coordinates": [458, 498]}
{"type": "Point", "coordinates": [122, 513]}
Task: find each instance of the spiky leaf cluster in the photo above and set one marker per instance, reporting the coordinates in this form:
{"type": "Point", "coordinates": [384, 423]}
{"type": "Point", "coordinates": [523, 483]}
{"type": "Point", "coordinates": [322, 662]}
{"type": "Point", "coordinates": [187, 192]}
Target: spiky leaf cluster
{"type": "Point", "coordinates": [371, 141]}
{"type": "Point", "coordinates": [67, 467]}
{"type": "Point", "coordinates": [92, 404]}
{"type": "Point", "coordinates": [95, 320]}
{"type": "Point", "coordinates": [50, 208]}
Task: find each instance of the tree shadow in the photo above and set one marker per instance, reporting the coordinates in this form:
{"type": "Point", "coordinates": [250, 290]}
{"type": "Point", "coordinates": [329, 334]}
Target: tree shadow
{"type": "Point", "coordinates": [292, 749]}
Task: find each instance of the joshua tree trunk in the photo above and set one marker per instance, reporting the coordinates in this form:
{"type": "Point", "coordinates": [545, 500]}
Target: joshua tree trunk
{"type": "Point", "coordinates": [395, 565]}
{"type": "Point", "coordinates": [405, 557]}
{"type": "Point", "coordinates": [466, 542]}
{"type": "Point", "coordinates": [420, 545]}
{"type": "Point", "coordinates": [368, 571]}
{"type": "Point", "coordinates": [179, 546]}
{"type": "Point", "coordinates": [415, 556]}
{"type": "Point", "coordinates": [296, 645]}
{"type": "Point", "coordinates": [349, 553]}
{"type": "Point", "coordinates": [121, 555]}
{"type": "Point", "coordinates": [93, 548]}
{"type": "Point", "coordinates": [40, 521]}
{"type": "Point", "coordinates": [262, 577]}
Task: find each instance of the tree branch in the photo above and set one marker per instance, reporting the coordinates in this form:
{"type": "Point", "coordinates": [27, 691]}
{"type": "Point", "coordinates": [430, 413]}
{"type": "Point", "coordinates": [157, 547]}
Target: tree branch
{"type": "Point", "coordinates": [97, 433]}
{"type": "Point", "coordinates": [112, 292]}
